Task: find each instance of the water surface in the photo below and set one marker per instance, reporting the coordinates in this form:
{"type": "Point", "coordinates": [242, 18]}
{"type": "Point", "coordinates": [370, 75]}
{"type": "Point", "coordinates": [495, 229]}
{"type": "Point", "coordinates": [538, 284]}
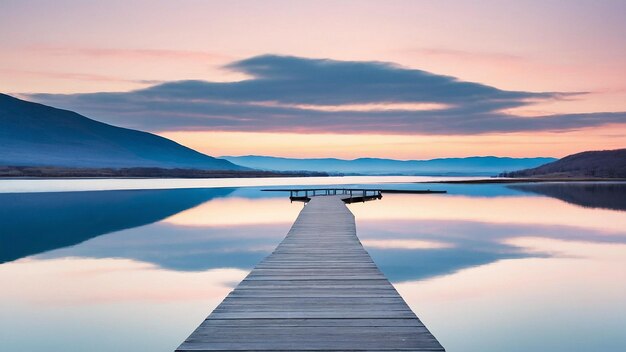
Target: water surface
{"type": "Point", "coordinates": [486, 267]}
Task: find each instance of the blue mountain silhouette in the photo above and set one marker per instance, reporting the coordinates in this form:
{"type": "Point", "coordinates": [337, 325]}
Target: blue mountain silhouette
{"type": "Point", "coordinates": [38, 135]}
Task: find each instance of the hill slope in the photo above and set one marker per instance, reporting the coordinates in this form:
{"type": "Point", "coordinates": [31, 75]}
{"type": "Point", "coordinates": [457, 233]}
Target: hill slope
{"type": "Point", "coordinates": [602, 163]}
{"type": "Point", "coordinates": [38, 135]}
{"type": "Point", "coordinates": [481, 166]}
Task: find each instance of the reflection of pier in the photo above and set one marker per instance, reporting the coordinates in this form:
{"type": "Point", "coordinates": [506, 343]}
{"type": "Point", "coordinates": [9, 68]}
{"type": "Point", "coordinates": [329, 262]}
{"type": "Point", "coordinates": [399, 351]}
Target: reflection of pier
{"type": "Point", "coordinates": [318, 291]}
{"type": "Point", "coordinates": [348, 195]}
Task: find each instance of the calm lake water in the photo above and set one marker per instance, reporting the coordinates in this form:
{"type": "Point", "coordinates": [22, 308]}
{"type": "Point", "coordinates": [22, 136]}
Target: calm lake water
{"type": "Point", "coordinates": [525, 267]}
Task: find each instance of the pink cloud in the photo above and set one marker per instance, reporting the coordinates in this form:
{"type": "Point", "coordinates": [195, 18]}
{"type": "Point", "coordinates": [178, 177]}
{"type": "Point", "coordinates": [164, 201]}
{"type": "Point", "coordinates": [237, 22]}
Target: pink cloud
{"type": "Point", "coordinates": [167, 54]}
{"type": "Point", "coordinates": [76, 76]}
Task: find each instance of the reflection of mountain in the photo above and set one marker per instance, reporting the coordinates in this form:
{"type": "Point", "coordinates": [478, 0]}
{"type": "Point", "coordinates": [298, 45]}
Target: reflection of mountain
{"type": "Point", "coordinates": [189, 248]}
{"type": "Point", "coordinates": [591, 195]}
{"type": "Point", "coordinates": [32, 223]}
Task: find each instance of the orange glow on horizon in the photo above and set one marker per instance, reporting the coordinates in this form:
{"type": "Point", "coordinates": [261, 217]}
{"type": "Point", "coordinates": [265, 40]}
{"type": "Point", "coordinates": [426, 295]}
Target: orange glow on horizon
{"type": "Point", "coordinates": [359, 107]}
{"type": "Point", "coordinates": [406, 147]}
{"type": "Point", "coordinates": [226, 211]}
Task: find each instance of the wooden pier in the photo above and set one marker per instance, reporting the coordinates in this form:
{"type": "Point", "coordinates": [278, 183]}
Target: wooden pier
{"type": "Point", "coordinates": [346, 194]}
{"type": "Point", "coordinates": [318, 291]}
{"type": "Point", "coordinates": [349, 195]}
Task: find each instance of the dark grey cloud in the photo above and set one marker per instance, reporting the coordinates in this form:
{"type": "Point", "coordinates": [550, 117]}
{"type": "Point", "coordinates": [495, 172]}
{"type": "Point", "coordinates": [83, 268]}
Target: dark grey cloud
{"type": "Point", "coordinates": [277, 96]}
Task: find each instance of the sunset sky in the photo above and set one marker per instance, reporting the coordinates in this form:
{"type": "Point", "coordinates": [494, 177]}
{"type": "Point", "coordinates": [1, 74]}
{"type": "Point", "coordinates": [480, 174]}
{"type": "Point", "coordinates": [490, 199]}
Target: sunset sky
{"type": "Point", "coordinates": [348, 79]}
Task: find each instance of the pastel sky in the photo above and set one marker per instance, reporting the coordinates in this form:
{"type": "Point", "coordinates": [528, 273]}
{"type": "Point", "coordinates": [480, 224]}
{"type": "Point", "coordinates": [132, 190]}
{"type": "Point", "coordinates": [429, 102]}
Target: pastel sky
{"type": "Point", "coordinates": [397, 79]}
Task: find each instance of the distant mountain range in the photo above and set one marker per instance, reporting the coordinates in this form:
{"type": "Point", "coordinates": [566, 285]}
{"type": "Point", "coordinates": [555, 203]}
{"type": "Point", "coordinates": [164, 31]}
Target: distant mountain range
{"type": "Point", "coordinates": [596, 164]}
{"type": "Point", "coordinates": [38, 135]}
{"type": "Point", "coordinates": [478, 166]}
{"type": "Point", "coordinates": [50, 139]}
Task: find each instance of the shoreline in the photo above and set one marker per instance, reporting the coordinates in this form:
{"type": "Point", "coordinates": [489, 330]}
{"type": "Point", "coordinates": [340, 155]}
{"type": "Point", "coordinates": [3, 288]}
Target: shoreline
{"type": "Point", "coordinates": [530, 180]}
{"type": "Point", "coordinates": [34, 173]}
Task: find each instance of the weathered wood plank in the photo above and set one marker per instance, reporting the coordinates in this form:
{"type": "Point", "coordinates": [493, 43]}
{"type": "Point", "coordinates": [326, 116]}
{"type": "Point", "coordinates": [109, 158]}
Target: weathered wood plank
{"type": "Point", "coordinates": [318, 291]}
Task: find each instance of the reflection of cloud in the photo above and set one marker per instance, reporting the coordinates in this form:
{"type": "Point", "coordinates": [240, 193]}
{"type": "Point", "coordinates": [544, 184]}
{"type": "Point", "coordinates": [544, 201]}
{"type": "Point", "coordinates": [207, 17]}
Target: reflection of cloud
{"type": "Point", "coordinates": [400, 231]}
{"type": "Point", "coordinates": [515, 298]}
{"type": "Point", "coordinates": [477, 234]}
{"type": "Point", "coordinates": [184, 248]}
{"type": "Point", "coordinates": [500, 210]}
{"type": "Point", "coordinates": [409, 236]}
{"type": "Point", "coordinates": [313, 95]}
{"type": "Point", "coordinates": [472, 243]}
{"type": "Point", "coordinates": [571, 248]}
{"type": "Point", "coordinates": [237, 211]}
{"type": "Point", "coordinates": [404, 244]}
{"type": "Point", "coordinates": [77, 281]}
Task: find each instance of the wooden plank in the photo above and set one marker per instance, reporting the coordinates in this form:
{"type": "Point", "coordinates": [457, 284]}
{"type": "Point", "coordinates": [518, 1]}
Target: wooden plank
{"type": "Point", "coordinates": [318, 291]}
